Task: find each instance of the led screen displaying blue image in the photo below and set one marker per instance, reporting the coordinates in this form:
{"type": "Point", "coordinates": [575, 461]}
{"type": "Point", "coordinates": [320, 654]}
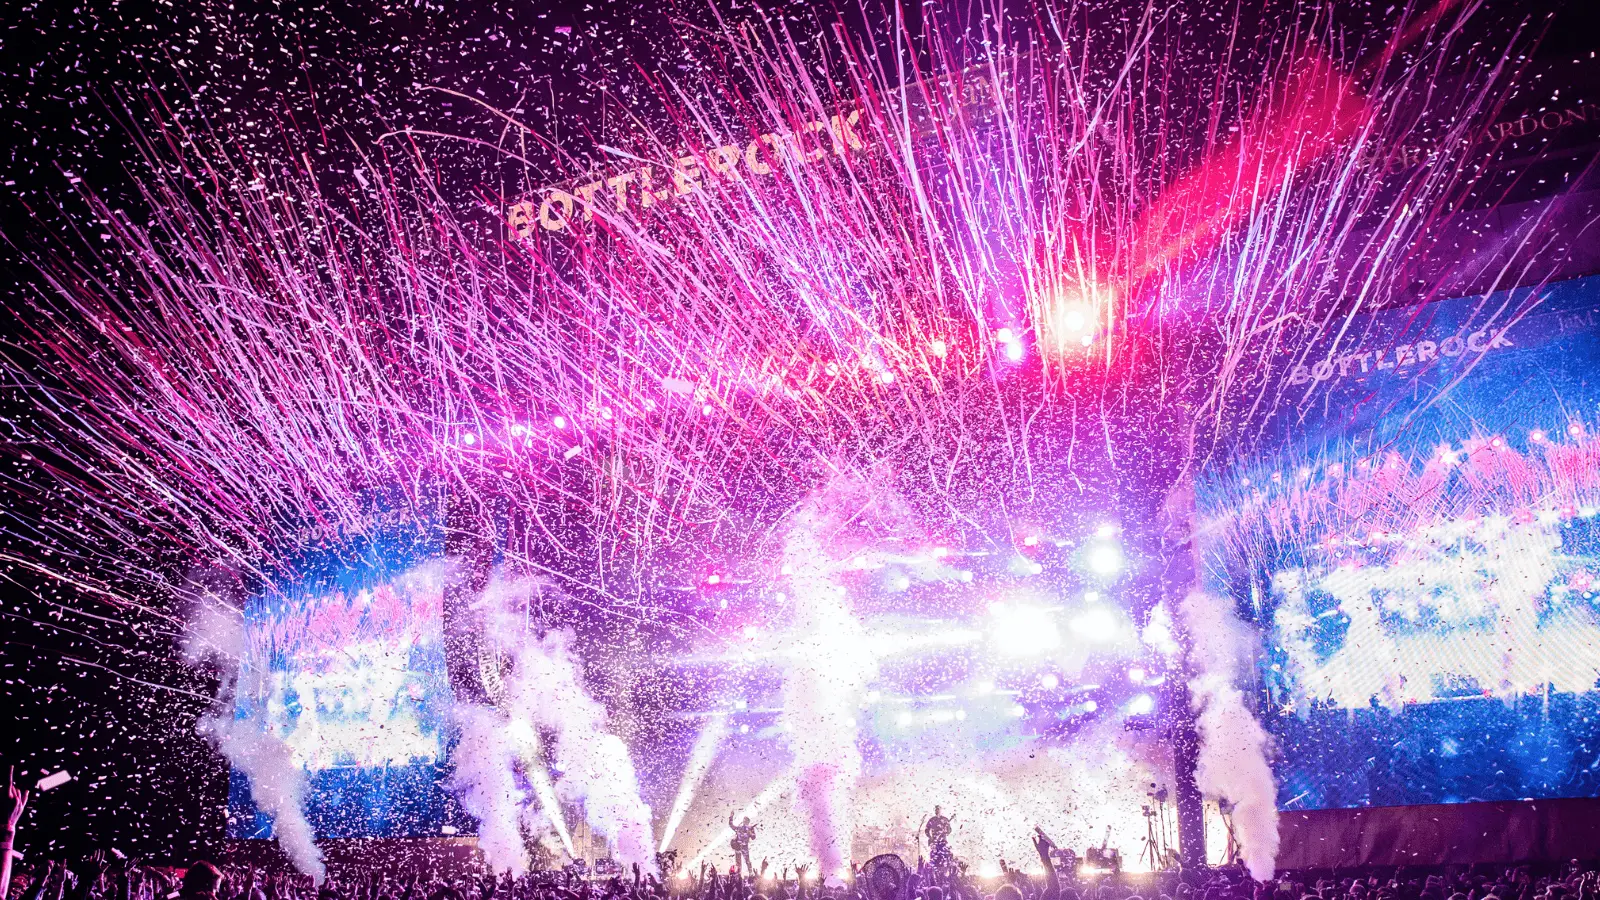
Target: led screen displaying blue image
{"type": "Point", "coordinates": [1421, 550]}
{"type": "Point", "coordinates": [349, 672]}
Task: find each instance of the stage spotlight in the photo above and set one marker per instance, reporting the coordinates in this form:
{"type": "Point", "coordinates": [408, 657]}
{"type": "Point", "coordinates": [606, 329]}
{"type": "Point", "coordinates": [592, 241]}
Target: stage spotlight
{"type": "Point", "coordinates": [1068, 316]}
{"type": "Point", "coordinates": [1098, 624]}
{"type": "Point", "coordinates": [1136, 675]}
{"type": "Point", "coordinates": [701, 756]}
{"type": "Point", "coordinates": [904, 719]}
{"type": "Point", "coordinates": [1023, 630]}
{"type": "Point", "coordinates": [1105, 559]}
{"type": "Point", "coordinates": [1014, 351]}
{"type": "Point", "coordinates": [545, 789]}
{"type": "Point", "coordinates": [1142, 705]}
{"type": "Point", "coordinates": [1049, 681]}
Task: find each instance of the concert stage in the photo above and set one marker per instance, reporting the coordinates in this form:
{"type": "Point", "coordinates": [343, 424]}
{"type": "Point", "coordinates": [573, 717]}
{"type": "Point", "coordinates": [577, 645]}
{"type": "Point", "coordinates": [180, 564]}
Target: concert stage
{"type": "Point", "coordinates": [1516, 832]}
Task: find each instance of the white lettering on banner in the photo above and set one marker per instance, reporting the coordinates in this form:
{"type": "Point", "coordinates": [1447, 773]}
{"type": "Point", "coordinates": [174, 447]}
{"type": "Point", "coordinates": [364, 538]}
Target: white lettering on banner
{"type": "Point", "coordinates": [1402, 356]}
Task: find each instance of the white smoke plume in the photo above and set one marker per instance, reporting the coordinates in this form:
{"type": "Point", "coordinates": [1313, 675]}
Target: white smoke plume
{"type": "Point", "coordinates": [830, 665]}
{"type": "Point", "coordinates": [277, 784]}
{"type": "Point", "coordinates": [214, 635]}
{"type": "Point", "coordinates": [546, 686]}
{"type": "Point", "coordinates": [485, 783]}
{"type": "Point", "coordinates": [1233, 746]}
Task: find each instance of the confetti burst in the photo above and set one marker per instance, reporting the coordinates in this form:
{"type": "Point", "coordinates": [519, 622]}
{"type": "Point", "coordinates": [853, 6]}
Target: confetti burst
{"type": "Point", "coordinates": [955, 271]}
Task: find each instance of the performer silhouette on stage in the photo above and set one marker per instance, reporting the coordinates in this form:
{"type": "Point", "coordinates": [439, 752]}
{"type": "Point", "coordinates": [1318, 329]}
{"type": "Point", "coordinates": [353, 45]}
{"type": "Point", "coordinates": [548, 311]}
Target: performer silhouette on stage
{"type": "Point", "coordinates": [938, 830]}
{"type": "Point", "coordinates": [743, 834]}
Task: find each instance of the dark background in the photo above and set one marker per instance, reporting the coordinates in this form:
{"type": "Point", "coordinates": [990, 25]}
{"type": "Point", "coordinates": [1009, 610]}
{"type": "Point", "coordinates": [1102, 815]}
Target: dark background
{"type": "Point", "coordinates": [93, 684]}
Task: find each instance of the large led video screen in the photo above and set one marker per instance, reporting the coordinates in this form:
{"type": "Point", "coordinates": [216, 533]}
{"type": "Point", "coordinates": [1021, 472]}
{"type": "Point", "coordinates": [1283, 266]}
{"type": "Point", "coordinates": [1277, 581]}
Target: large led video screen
{"type": "Point", "coordinates": [349, 671]}
{"type": "Point", "coordinates": [1421, 550]}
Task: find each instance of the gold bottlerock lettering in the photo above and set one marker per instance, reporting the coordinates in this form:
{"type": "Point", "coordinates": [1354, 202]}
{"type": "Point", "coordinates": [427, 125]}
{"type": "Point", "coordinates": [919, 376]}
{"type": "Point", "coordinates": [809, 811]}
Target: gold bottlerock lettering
{"type": "Point", "coordinates": [688, 173]}
{"type": "Point", "coordinates": [619, 189]}
{"type": "Point", "coordinates": [724, 162]}
{"type": "Point", "coordinates": [752, 160]}
{"type": "Point", "coordinates": [647, 197]}
{"type": "Point", "coordinates": [844, 134]}
{"type": "Point", "coordinates": [520, 217]}
{"type": "Point", "coordinates": [686, 177]}
{"type": "Point", "coordinates": [814, 153]}
{"type": "Point", "coordinates": [585, 195]}
{"type": "Point", "coordinates": [547, 217]}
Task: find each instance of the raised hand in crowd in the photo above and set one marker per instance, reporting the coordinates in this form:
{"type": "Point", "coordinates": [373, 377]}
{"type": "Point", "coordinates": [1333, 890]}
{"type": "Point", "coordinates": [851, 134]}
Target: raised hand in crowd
{"type": "Point", "coordinates": [16, 801]}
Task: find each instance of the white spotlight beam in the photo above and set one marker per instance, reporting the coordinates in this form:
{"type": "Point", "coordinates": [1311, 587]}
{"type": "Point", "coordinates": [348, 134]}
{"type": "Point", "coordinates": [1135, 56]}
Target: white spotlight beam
{"type": "Point", "coordinates": [546, 792]}
{"type": "Point", "coordinates": [771, 792]}
{"type": "Point", "coordinates": [701, 756]}
{"type": "Point", "coordinates": [544, 789]}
